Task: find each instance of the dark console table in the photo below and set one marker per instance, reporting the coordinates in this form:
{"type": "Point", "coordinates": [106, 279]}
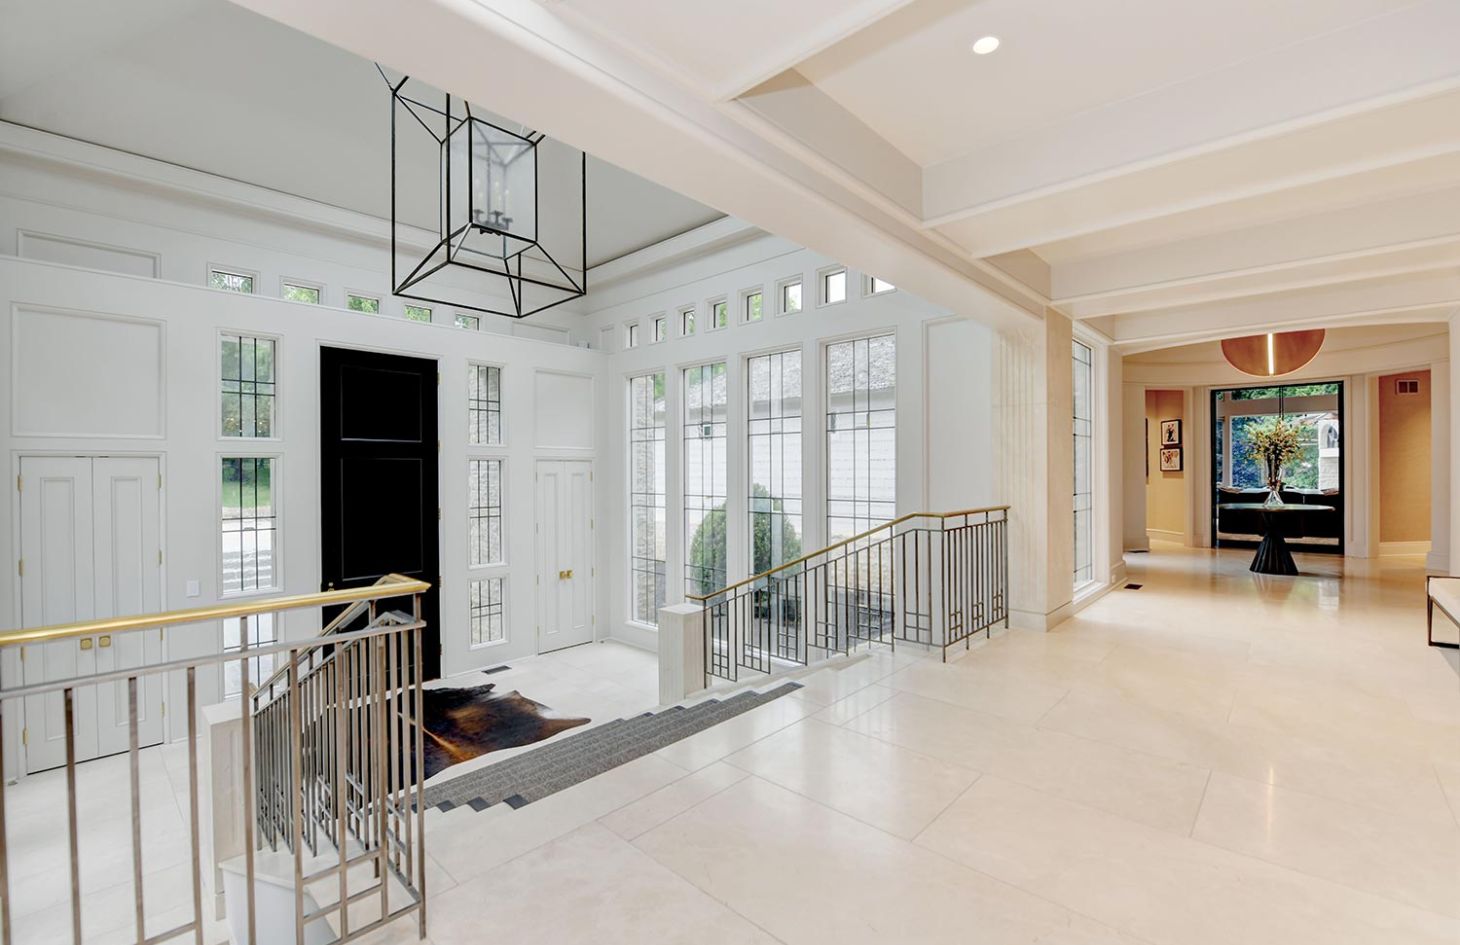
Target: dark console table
{"type": "Point", "coordinates": [1273, 556]}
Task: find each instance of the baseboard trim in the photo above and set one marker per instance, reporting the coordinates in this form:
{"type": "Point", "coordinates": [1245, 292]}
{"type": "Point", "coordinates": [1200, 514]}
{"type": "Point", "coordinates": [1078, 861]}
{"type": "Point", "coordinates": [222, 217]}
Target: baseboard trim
{"type": "Point", "coordinates": [1162, 534]}
{"type": "Point", "coordinates": [1391, 548]}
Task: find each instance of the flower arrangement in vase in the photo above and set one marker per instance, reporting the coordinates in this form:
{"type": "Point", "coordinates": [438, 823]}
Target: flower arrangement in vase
{"type": "Point", "coordinates": [1274, 442]}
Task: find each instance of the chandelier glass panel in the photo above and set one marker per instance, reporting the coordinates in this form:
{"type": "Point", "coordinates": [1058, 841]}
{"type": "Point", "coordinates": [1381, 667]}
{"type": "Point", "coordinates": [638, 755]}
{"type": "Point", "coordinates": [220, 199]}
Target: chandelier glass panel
{"type": "Point", "coordinates": [485, 215]}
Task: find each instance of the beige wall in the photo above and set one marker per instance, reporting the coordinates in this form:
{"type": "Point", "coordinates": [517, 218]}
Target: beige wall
{"type": "Point", "coordinates": [1404, 460]}
{"type": "Point", "coordinates": [1166, 491]}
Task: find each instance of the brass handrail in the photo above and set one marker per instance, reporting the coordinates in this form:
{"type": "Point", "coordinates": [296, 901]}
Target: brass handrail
{"type": "Point", "coordinates": [845, 541]}
{"type": "Point", "coordinates": [392, 585]}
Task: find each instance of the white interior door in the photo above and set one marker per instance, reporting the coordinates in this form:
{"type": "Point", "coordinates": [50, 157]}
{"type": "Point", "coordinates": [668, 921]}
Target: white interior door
{"type": "Point", "coordinates": [91, 546]}
{"type": "Point", "coordinates": [564, 554]}
{"type": "Point", "coordinates": [128, 550]}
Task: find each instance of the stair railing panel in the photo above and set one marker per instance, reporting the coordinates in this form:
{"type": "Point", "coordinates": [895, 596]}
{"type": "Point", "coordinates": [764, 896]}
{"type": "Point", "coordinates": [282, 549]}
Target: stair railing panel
{"type": "Point", "coordinates": [933, 579]}
{"type": "Point", "coordinates": [332, 763]}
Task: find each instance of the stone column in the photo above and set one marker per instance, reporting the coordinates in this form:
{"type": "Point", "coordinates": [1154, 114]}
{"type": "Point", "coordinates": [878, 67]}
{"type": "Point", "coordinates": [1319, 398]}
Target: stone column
{"type": "Point", "coordinates": [1033, 410]}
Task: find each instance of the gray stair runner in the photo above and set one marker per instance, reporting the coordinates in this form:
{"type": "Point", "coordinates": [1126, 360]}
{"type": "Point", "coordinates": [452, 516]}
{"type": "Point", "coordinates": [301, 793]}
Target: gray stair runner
{"type": "Point", "coordinates": [536, 774]}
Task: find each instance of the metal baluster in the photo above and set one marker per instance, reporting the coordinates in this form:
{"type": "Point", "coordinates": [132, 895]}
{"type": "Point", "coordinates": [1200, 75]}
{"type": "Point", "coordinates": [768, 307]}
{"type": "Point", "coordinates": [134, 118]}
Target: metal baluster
{"type": "Point", "coordinates": [134, 765]}
{"type": "Point", "coordinates": [382, 746]}
{"type": "Point", "coordinates": [4, 847]}
{"type": "Point", "coordinates": [420, 772]}
{"type": "Point", "coordinates": [296, 794]}
{"type": "Point", "coordinates": [197, 865]}
{"type": "Point", "coordinates": [342, 747]}
{"type": "Point", "coordinates": [73, 839]}
{"type": "Point", "coordinates": [246, 747]}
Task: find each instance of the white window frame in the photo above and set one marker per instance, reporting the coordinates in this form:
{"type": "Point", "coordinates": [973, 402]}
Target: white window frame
{"type": "Point", "coordinates": [869, 286]}
{"type": "Point", "coordinates": [745, 297]}
{"type": "Point", "coordinates": [276, 496]}
{"type": "Point", "coordinates": [429, 310]}
{"type": "Point", "coordinates": [628, 432]}
{"type": "Point", "coordinates": [658, 328]}
{"type": "Point", "coordinates": [631, 335]}
{"type": "Point", "coordinates": [692, 313]}
{"type": "Point", "coordinates": [501, 444]}
{"type": "Point", "coordinates": [368, 297]}
{"type": "Point", "coordinates": [821, 295]}
{"type": "Point", "coordinates": [710, 313]}
{"type": "Point", "coordinates": [823, 367]}
{"type": "Point", "coordinates": [218, 385]}
{"type": "Point", "coordinates": [232, 271]}
{"type": "Point", "coordinates": [286, 281]}
{"type": "Point", "coordinates": [781, 288]}
{"type": "Point", "coordinates": [506, 615]}
{"type": "Point", "coordinates": [475, 454]}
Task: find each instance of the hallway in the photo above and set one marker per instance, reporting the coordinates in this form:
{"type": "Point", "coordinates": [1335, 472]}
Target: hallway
{"type": "Point", "coordinates": [1212, 758]}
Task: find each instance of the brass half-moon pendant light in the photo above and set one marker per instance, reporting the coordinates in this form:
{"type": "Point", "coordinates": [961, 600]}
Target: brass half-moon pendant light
{"type": "Point", "coordinates": [1273, 354]}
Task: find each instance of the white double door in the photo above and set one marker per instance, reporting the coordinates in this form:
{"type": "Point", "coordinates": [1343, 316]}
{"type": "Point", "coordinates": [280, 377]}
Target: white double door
{"type": "Point", "coordinates": [91, 548]}
{"type": "Point", "coordinates": [564, 554]}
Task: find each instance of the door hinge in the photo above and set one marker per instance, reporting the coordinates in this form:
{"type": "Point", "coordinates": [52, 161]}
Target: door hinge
{"type": "Point", "coordinates": [438, 446]}
{"type": "Point", "coordinates": [159, 480]}
{"type": "Point", "coordinates": [438, 378]}
{"type": "Point", "coordinates": [21, 565]}
{"type": "Point", "coordinates": [438, 513]}
{"type": "Point", "coordinates": [164, 710]}
{"type": "Point", "coordinates": [159, 555]}
{"type": "Point", "coordinates": [17, 482]}
{"type": "Point", "coordinates": [25, 736]}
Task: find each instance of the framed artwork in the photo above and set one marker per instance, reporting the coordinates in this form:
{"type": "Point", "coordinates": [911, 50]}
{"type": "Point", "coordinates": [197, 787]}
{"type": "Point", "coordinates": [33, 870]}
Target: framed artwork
{"type": "Point", "coordinates": [1171, 459]}
{"type": "Point", "coordinates": [1170, 434]}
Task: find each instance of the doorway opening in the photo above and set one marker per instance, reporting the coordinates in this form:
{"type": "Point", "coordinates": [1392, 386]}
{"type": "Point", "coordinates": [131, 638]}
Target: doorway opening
{"type": "Point", "coordinates": [1315, 478]}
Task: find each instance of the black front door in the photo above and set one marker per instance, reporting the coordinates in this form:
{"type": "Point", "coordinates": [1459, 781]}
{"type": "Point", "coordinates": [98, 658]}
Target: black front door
{"type": "Point", "coordinates": [378, 463]}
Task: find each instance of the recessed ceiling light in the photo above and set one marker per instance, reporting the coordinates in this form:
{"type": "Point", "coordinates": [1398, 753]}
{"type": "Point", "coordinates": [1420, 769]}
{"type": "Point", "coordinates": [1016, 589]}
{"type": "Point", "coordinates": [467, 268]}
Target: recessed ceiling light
{"type": "Point", "coordinates": [986, 45]}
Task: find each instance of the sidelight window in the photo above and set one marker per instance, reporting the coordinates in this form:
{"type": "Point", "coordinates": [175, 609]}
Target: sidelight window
{"type": "Point", "coordinates": [484, 512]}
{"type": "Point", "coordinates": [773, 383]}
{"type": "Point", "coordinates": [487, 618]}
{"type": "Point", "coordinates": [484, 404]}
{"type": "Point", "coordinates": [249, 520]}
{"type": "Point", "coordinates": [646, 497]}
{"type": "Point", "coordinates": [704, 478]}
{"type": "Point", "coordinates": [247, 377]}
{"type": "Point", "coordinates": [1084, 391]}
{"type": "Point", "coordinates": [861, 436]}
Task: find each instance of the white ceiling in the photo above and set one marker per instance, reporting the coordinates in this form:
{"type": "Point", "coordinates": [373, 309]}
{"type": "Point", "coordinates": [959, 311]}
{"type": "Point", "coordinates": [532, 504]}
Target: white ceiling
{"type": "Point", "coordinates": [212, 86]}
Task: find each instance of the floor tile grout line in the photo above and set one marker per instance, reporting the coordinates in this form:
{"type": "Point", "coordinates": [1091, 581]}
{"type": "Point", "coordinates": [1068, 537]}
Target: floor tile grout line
{"type": "Point", "coordinates": [1196, 816]}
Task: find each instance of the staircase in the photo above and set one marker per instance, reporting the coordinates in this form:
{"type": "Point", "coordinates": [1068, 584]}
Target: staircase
{"type": "Point", "coordinates": [544, 771]}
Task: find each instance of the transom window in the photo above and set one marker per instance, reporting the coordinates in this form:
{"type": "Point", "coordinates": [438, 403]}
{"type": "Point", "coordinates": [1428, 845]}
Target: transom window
{"type": "Point", "coordinates": [247, 377]}
{"type": "Point", "coordinates": [876, 286]}
{"type": "Point", "coordinates": [861, 435]}
{"type": "Point", "coordinates": [484, 512]}
{"type": "Point", "coordinates": [704, 478]}
{"type": "Point", "coordinates": [472, 322]}
{"type": "Point", "coordinates": [833, 286]}
{"type": "Point", "coordinates": [1084, 469]}
{"type": "Point", "coordinates": [300, 292]}
{"type": "Point", "coordinates": [248, 524]}
{"type": "Point", "coordinates": [773, 392]}
{"type": "Point", "coordinates": [230, 281]}
{"type": "Point", "coordinates": [661, 328]}
{"type": "Point", "coordinates": [719, 314]}
{"type": "Point", "coordinates": [418, 313]}
{"type": "Point", "coordinates": [790, 297]}
{"type": "Point", "coordinates": [631, 335]}
{"type": "Point", "coordinates": [646, 498]}
{"type": "Point", "coordinates": [752, 307]}
{"type": "Point", "coordinates": [363, 303]}
{"type": "Point", "coordinates": [687, 322]}
{"type": "Point", "coordinates": [487, 612]}
{"type": "Point", "coordinates": [484, 404]}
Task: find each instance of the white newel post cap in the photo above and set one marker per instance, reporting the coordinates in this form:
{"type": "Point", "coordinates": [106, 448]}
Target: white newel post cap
{"type": "Point", "coordinates": [681, 652]}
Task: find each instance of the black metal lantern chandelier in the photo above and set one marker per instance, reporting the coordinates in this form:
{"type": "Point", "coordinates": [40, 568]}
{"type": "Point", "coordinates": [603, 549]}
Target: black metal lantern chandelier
{"type": "Point", "coordinates": [482, 216]}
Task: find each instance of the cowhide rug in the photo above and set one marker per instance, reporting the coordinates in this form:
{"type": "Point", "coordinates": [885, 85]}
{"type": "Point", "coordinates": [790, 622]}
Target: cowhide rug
{"type": "Point", "coordinates": [462, 724]}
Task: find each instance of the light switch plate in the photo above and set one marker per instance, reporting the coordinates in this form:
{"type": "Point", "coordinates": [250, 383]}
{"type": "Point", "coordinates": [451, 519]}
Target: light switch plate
{"type": "Point", "coordinates": [193, 589]}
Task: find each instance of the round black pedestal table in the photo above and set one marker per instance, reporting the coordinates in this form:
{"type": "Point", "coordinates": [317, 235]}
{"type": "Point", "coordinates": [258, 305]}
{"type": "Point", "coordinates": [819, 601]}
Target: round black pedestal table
{"type": "Point", "coordinates": [1273, 556]}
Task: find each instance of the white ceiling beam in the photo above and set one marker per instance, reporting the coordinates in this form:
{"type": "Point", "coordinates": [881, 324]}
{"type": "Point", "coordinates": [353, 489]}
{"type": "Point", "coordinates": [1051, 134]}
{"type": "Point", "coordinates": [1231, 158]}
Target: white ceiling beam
{"type": "Point", "coordinates": [1380, 60]}
{"type": "Point", "coordinates": [1390, 137]}
{"type": "Point", "coordinates": [516, 58]}
{"type": "Point", "coordinates": [1423, 297]}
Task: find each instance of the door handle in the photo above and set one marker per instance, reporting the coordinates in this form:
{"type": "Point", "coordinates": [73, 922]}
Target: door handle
{"type": "Point", "coordinates": [565, 575]}
{"type": "Point", "coordinates": [86, 643]}
{"type": "Point", "coordinates": [104, 641]}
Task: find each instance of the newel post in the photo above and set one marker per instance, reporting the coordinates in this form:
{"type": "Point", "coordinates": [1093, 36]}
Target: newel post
{"type": "Point", "coordinates": [681, 652]}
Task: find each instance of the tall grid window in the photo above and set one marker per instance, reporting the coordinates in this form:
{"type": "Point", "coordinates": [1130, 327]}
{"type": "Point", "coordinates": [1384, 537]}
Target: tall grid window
{"type": "Point", "coordinates": [230, 281]}
{"type": "Point", "coordinates": [484, 404]}
{"type": "Point", "coordinates": [247, 376]}
{"type": "Point", "coordinates": [484, 511]}
{"type": "Point", "coordinates": [646, 497]}
{"type": "Point", "coordinates": [704, 478]}
{"type": "Point", "coordinates": [861, 435]}
{"type": "Point", "coordinates": [299, 292]}
{"type": "Point", "coordinates": [487, 619]}
{"type": "Point", "coordinates": [262, 631]}
{"type": "Point", "coordinates": [1084, 472]}
{"type": "Point", "coordinates": [774, 438]}
{"type": "Point", "coordinates": [248, 524]}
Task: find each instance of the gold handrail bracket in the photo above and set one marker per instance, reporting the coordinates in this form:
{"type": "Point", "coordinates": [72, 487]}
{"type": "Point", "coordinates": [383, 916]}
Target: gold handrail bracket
{"type": "Point", "coordinates": [392, 585]}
